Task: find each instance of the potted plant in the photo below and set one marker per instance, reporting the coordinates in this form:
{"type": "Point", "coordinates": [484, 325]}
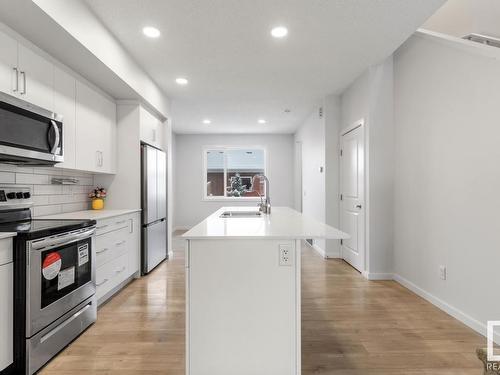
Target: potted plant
{"type": "Point", "coordinates": [97, 195]}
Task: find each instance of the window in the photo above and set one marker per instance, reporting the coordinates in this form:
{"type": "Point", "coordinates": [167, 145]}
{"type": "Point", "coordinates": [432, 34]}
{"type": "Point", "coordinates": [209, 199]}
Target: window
{"type": "Point", "coordinates": [230, 172]}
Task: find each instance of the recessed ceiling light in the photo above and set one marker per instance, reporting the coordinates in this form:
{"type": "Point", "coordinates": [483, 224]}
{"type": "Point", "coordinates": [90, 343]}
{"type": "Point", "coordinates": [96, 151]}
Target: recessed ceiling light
{"type": "Point", "coordinates": [279, 32]}
{"type": "Point", "coordinates": [207, 121]}
{"type": "Point", "coordinates": [181, 81]}
{"type": "Point", "coordinates": [151, 32]}
{"type": "Point", "coordinates": [261, 121]}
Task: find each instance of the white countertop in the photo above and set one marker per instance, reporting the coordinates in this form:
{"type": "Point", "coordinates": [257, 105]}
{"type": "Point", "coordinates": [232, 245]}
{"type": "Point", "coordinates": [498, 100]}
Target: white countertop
{"type": "Point", "coordinates": [7, 235]}
{"type": "Point", "coordinates": [89, 214]}
{"type": "Point", "coordinates": [282, 223]}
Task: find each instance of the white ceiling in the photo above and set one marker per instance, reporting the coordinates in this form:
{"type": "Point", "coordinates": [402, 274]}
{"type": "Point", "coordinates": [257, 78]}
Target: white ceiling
{"type": "Point", "coordinates": [237, 73]}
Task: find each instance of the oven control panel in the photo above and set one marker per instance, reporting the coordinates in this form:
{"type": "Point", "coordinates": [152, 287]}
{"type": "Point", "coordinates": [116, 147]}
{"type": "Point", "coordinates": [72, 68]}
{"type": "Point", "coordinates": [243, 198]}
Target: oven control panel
{"type": "Point", "coordinates": [15, 195]}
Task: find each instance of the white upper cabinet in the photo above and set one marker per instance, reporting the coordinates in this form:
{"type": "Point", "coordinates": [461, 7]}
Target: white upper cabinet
{"type": "Point", "coordinates": [65, 105]}
{"type": "Point", "coordinates": [151, 129]}
{"type": "Point", "coordinates": [89, 117]}
{"type": "Point", "coordinates": [8, 64]}
{"type": "Point", "coordinates": [36, 78]}
{"type": "Point", "coordinates": [95, 130]}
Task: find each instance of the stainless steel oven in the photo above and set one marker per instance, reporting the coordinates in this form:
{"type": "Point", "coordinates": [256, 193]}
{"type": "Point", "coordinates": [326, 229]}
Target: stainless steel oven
{"type": "Point", "coordinates": [54, 280]}
{"type": "Point", "coordinates": [30, 135]}
{"type": "Point", "coordinates": [61, 275]}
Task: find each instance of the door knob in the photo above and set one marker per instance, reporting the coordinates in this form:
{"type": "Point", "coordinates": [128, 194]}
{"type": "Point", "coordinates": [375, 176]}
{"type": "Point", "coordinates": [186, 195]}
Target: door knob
{"type": "Point", "coordinates": [358, 206]}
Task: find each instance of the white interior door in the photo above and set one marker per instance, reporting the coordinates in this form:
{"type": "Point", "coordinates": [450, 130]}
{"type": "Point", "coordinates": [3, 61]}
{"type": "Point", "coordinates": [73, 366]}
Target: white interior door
{"type": "Point", "coordinates": [352, 190]}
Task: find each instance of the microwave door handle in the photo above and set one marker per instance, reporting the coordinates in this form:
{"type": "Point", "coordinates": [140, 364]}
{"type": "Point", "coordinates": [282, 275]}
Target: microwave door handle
{"type": "Point", "coordinates": [58, 138]}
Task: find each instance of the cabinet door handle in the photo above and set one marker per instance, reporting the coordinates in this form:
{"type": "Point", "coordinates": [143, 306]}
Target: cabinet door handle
{"type": "Point", "coordinates": [103, 282]}
{"type": "Point", "coordinates": [102, 251]}
{"type": "Point", "coordinates": [121, 222]}
{"type": "Point", "coordinates": [121, 270]}
{"type": "Point", "coordinates": [16, 89]}
{"type": "Point", "coordinates": [102, 227]}
{"type": "Point", "coordinates": [23, 74]}
{"type": "Point", "coordinates": [120, 243]}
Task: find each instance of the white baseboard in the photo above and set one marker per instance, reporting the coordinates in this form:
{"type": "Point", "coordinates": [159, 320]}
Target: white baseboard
{"type": "Point", "coordinates": [377, 276]}
{"type": "Point", "coordinates": [447, 308]}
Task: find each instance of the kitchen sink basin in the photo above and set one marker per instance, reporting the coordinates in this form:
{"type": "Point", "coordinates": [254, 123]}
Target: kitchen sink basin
{"type": "Point", "coordinates": [240, 214]}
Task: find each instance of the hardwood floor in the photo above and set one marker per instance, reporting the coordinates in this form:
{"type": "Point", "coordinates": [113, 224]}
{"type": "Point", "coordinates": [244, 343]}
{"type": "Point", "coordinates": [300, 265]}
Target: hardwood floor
{"type": "Point", "coordinates": [350, 326]}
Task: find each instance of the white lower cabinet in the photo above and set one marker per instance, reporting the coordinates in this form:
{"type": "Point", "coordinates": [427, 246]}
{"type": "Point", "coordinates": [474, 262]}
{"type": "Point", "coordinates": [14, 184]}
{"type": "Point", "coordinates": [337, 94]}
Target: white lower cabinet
{"type": "Point", "coordinates": [117, 244]}
{"type": "Point", "coordinates": [6, 303]}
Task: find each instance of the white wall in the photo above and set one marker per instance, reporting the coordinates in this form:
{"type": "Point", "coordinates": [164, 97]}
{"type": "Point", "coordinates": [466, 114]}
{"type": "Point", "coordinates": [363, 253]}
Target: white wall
{"type": "Point", "coordinates": [318, 140]}
{"type": "Point", "coordinates": [190, 207]}
{"type": "Point", "coordinates": [311, 135]}
{"type": "Point", "coordinates": [370, 98]}
{"type": "Point", "coordinates": [447, 179]}
{"type": "Point", "coordinates": [331, 108]}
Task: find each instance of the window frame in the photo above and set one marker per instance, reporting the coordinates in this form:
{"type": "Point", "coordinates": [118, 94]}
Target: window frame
{"type": "Point", "coordinates": [204, 171]}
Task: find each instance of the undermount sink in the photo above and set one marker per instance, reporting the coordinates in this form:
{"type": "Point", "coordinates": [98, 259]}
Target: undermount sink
{"type": "Point", "coordinates": [240, 214]}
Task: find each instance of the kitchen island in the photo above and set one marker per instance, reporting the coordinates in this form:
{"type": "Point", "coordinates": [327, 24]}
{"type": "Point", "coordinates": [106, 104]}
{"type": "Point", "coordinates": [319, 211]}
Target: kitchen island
{"type": "Point", "coordinates": [243, 291]}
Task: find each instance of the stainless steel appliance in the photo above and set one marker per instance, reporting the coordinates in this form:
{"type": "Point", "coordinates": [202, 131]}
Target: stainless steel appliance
{"type": "Point", "coordinates": [30, 135]}
{"type": "Point", "coordinates": [154, 207]}
{"type": "Point", "coordinates": [54, 280]}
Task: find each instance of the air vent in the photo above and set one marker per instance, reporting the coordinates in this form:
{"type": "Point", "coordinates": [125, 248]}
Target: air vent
{"type": "Point", "coordinates": [320, 112]}
{"type": "Point", "coordinates": [483, 39]}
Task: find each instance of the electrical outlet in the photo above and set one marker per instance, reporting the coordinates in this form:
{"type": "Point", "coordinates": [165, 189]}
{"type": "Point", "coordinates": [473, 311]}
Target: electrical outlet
{"type": "Point", "coordinates": [442, 272]}
{"type": "Point", "coordinates": [286, 256]}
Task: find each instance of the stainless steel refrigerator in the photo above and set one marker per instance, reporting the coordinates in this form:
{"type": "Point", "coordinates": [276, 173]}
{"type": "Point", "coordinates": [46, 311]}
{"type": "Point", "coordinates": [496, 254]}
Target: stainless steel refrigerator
{"type": "Point", "coordinates": [154, 207]}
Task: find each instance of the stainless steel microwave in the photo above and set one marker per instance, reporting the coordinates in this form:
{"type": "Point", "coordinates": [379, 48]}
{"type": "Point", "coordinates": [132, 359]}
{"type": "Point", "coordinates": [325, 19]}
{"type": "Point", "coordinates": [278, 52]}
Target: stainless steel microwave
{"type": "Point", "coordinates": [29, 135]}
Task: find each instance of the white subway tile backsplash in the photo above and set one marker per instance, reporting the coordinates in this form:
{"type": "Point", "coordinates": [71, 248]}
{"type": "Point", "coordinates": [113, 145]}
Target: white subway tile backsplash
{"type": "Point", "coordinates": [30, 178]}
{"type": "Point", "coordinates": [47, 210]}
{"type": "Point", "coordinates": [75, 207]}
{"type": "Point", "coordinates": [47, 189]}
{"type": "Point", "coordinates": [40, 200]}
{"type": "Point", "coordinates": [7, 178]}
{"type": "Point", "coordinates": [87, 181]}
{"type": "Point", "coordinates": [59, 199]}
{"type": "Point", "coordinates": [50, 199]}
{"type": "Point", "coordinates": [80, 198]}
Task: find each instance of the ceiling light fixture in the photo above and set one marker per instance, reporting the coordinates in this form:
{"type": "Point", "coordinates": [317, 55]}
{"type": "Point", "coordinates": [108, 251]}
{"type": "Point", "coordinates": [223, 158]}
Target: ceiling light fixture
{"type": "Point", "coordinates": [261, 121]}
{"type": "Point", "coordinates": [151, 32]}
{"type": "Point", "coordinates": [279, 32]}
{"type": "Point", "coordinates": [207, 121]}
{"type": "Point", "coordinates": [181, 81]}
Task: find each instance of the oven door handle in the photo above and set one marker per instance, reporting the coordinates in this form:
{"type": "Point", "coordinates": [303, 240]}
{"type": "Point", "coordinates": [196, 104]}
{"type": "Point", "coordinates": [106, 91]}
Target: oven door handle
{"type": "Point", "coordinates": [56, 241]}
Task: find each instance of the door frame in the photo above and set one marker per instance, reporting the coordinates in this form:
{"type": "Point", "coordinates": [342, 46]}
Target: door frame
{"type": "Point", "coordinates": [361, 123]}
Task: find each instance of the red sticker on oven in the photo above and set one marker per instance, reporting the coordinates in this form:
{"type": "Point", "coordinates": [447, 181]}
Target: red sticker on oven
{"type": "Point", "coordinates": [51, 266]}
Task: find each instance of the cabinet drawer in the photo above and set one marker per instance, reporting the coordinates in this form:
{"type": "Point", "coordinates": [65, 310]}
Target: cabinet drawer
{"type": "Point", "coordinates": [111, 245]}
{"type": "Point", "coordinates": [111, 275]}
{"type": "Point", "coordinates": [6, 251]}
{"type": "Point", "coordinates": [112, 224]}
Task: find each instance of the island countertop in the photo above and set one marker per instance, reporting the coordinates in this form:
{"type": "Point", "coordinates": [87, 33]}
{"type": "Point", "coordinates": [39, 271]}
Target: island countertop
{"type": "Point", "coordinates": [282, 223]}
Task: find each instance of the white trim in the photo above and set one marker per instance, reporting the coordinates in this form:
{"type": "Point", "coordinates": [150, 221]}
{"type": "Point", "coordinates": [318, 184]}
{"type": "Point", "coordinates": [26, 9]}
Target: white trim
{"type": "Point", "coordinates": [377, 276]}
{"type": "Point", "coordinates": [446, 307]}
{"type": "Point", "coordinates": [206, 148]}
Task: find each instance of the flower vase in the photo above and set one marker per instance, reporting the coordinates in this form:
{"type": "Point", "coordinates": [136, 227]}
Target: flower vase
{"type": "Point", "coordinates": [97, 204]}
